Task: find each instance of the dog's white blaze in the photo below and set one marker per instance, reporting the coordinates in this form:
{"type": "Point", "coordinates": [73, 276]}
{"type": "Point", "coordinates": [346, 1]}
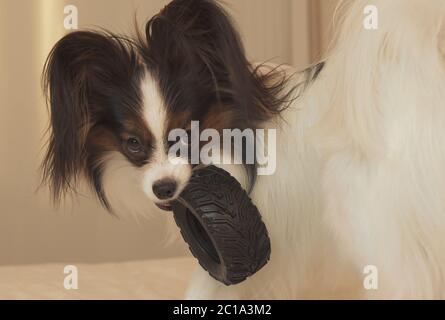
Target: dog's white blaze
{"type": "Point", "coordinates": [154, 114]}
{"type": "Point", "coordinates": [160, 166]}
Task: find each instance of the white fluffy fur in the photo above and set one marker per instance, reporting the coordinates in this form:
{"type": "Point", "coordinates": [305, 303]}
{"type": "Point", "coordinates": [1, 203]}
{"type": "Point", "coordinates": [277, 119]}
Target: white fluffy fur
{"type": "Point", "coordinates": [361, 167]}
{"type": "Point", "coordinates": [360, 174]}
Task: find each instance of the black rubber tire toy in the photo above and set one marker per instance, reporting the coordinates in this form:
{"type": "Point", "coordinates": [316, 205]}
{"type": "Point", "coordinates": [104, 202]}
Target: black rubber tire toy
{"type": "Point", "coordinates": [222, 226]}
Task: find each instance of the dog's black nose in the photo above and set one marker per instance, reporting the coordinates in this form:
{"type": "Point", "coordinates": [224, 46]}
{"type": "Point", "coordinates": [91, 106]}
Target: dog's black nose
{"type": "Point", "coordinates": [164, 189]}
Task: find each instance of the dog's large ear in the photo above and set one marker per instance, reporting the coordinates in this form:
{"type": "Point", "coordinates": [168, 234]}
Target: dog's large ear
{"type": "Point", "coordinates": [195, 45]}
{"type": "Point", "coordinates": [81, 78]}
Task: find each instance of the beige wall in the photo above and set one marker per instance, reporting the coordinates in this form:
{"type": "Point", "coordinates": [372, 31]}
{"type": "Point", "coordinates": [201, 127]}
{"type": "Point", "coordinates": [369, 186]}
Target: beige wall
{"type": "Point", "coordinates": [31, 230]}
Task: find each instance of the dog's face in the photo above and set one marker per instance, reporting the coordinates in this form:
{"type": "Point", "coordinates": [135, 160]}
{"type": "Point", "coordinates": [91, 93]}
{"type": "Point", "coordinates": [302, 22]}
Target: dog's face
{"type": "Point", "coordinates": [114, 101]}
{"type": "Point", "coordinates": [128, 154]}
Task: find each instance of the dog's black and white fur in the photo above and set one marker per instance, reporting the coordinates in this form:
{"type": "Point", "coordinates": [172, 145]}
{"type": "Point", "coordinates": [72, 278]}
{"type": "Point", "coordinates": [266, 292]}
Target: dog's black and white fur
{"type": "Point", "coordinates": [361, 159]}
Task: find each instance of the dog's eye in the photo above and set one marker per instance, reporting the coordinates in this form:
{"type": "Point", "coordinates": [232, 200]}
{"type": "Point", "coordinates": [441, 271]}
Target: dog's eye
{"type": "Point", "coordinates": [134, 145]}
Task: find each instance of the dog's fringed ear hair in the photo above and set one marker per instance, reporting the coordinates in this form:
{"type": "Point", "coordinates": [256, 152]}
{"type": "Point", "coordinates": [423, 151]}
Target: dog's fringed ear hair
{"type": "Point", "coordinates": [80, 76]}
{"type": "Point", "coordinates": [196, 43]}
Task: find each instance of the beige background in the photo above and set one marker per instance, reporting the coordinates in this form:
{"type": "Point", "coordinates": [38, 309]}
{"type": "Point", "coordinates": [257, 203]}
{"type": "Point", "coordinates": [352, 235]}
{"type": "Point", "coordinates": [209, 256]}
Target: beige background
{"type": "Point", "coordinates": [31, 229]}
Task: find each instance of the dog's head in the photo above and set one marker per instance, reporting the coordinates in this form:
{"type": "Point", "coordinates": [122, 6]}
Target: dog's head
{"type": "Point", "coordinates": [114, 100]}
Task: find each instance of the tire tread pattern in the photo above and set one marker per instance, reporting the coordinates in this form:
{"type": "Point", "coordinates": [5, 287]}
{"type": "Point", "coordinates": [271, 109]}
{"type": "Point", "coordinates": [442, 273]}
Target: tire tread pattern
{"type": "Point", "coordinates": [230, 218]}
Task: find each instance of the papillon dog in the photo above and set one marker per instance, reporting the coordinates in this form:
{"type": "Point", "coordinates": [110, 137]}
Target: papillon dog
{"type": "Point", "coordinates": [359, 188]}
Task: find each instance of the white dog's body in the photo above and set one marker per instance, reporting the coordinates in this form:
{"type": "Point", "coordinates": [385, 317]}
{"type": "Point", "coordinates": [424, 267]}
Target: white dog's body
{"type": "Point", "coordinates": [360, 177]}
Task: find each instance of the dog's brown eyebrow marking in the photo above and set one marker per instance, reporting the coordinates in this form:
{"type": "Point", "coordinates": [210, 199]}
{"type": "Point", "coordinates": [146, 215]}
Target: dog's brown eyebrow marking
{"type": "Point", "coordinates": [178, 120]}
{"type": "Point", "coordinates": [136, 126]}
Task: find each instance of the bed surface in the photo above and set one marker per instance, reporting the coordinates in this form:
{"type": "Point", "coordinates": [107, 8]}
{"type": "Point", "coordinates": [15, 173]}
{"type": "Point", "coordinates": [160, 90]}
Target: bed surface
{"type": "Point", "coordinates": [148, 279]}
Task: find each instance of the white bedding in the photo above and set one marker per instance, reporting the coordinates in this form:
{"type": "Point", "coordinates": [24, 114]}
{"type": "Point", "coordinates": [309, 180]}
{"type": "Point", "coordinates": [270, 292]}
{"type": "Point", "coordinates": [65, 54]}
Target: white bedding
{"type": "Point", "coordinates": [149, 279]}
